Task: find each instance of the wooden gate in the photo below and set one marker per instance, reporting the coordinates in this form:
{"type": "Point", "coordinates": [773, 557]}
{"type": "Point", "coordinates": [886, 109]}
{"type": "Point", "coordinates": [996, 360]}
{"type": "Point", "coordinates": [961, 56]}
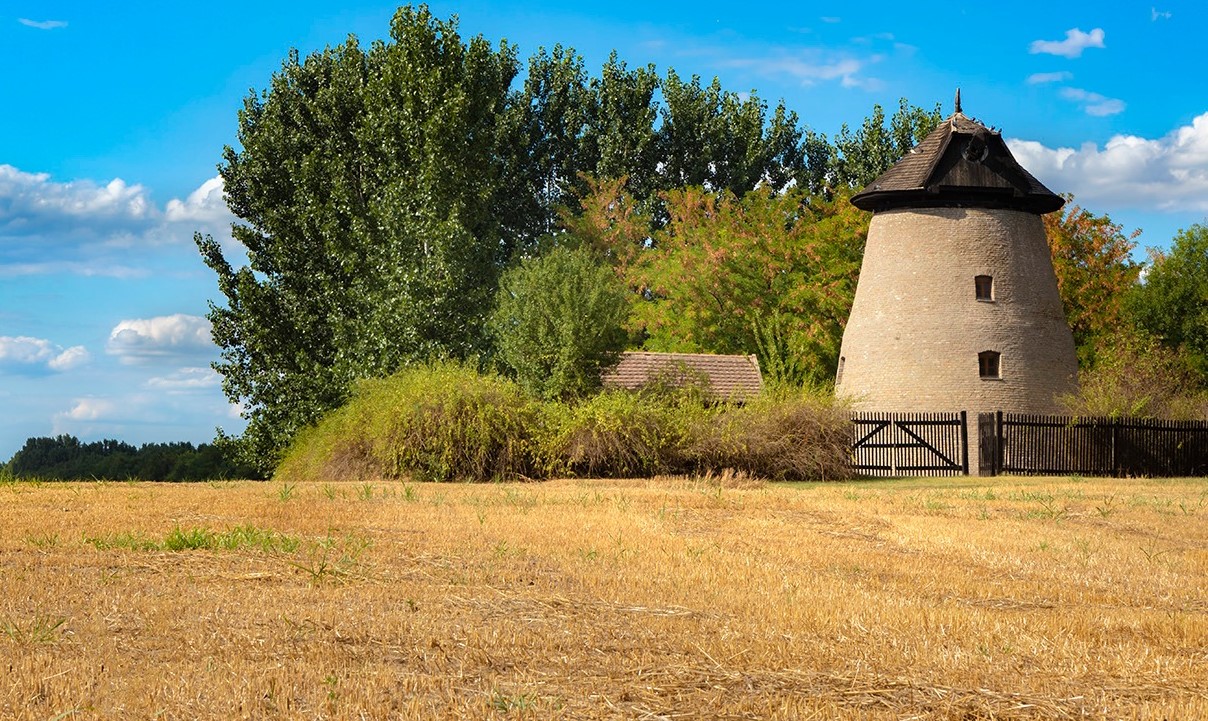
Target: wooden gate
{"type": "Point", "coordinates": [910, 444]}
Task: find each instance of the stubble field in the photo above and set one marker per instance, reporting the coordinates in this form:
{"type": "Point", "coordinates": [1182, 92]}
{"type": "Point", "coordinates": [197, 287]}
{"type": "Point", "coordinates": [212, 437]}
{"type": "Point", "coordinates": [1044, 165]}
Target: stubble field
{"type": "Point", "coordinates": [954, 598]}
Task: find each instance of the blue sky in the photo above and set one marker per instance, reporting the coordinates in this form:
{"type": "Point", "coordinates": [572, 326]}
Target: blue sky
{"type": "Point", "coordinates": [114, 118]}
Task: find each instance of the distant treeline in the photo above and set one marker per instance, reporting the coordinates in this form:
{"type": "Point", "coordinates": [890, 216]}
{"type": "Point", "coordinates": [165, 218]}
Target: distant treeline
{"type": "Point", "coordinates": [65, 458]}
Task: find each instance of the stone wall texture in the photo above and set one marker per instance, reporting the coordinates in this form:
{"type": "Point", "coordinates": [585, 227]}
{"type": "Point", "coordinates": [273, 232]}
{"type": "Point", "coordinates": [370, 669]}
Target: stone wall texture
{"type": "Point", "coordinates": [916, 327]}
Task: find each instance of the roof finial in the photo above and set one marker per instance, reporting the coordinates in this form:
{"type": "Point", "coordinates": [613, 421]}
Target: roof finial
{"type": "Point", "coordinates": [958, 101]}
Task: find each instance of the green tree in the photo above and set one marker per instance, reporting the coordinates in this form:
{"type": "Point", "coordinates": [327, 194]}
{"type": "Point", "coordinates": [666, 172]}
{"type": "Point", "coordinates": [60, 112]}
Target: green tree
{"type": "Point", "coordinates": [1136, 376]}
{"type": "Point", "coordinates": [1172, 303]}
{"type": "Point", "coordinates": [859, 156]}
{"type": "Point", "coordinates": [369, 190]}
{"type": "Point", "coordinates": [559, 321]}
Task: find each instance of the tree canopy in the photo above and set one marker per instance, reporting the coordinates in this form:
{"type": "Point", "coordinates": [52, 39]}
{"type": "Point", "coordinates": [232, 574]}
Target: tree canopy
{"type": "Point", "coordinates": [66, 458]}
{"type": "Point", "coordinates": [1092, 258]}
{"type": "Point", "coordinates": [1172, 304]}
{"type": "Point", "coordinates": [559, 321]}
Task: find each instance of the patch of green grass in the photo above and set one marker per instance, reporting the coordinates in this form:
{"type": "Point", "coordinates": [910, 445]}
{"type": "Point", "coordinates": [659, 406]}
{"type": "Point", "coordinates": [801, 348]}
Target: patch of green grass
{"type": "Point", "coordinates": [200, 539]}
{"type": "Point", "coordinates": [331, 558]}
{"type": "Point", "coordinates": [43, 540]}
{"type": "Point", "coordinates": [38, 630]}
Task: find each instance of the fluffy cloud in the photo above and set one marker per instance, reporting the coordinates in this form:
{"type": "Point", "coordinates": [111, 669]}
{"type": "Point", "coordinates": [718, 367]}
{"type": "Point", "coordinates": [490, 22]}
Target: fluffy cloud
{"type": "Point", "coordinates": [144, 340]}
{"type": "Point", "coordinates": [206, 205]}
{"type": "Point", "coordinates": [1038, 78]}
{"type": "Point", "coordinates": [1075, 42]}
{"type": "Point", "coordinates": [90, 409]}
{"type": "Point", "coordinates": [1168, 173]}
{"type": "Point", "coordinates": [1093, 103]}
{"type": "Point", "coordinates": [33, 354]}
{"type": "Point", "coordinates": [88, 228]}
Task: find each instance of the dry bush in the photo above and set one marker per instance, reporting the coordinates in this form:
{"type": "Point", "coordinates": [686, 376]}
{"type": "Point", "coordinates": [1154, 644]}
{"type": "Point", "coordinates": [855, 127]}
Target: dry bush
{"type": "Point", "coordinates": [783, 437]}
{"type": "Point", "coordinates": [620, 434]}
{"type": "Point", "coordinates": [448, 422]}
{"type": "Point", "coordinates": [439, 422]}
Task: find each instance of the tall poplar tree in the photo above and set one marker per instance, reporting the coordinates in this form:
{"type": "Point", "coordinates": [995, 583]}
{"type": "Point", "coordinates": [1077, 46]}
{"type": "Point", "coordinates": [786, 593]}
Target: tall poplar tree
{"type": "Point", "coordinates": [368, 187]}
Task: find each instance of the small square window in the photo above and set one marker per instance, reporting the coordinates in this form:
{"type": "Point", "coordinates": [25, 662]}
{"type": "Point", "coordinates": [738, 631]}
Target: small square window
{"type": "Point", "coordinates": [988, 364]}
{"type": "Point", "coordinates": [984, 287]}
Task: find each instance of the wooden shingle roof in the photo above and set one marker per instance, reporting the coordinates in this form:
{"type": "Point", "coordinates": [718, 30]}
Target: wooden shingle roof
{"type": "Point", "coordinates": [732, 377]}
{"type": "Point", "coordinates": [961, 163]}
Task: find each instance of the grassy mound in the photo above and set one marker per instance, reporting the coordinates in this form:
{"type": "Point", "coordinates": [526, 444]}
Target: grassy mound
{"type": "Point", "coordinates": [440, 422]}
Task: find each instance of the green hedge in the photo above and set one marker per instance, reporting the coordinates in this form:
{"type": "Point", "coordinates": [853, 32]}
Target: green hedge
{"type": "Point", "coordinates": [448, 422]}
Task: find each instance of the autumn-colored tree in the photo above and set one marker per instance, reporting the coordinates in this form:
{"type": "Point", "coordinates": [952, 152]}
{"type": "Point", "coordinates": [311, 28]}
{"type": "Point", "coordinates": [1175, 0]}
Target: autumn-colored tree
{"type": "Point", "coordinates": [761, 272]}
{"type": "Point", "coordinates": [611, 222]}
{"type": "Point", "coordinates": [1095, 272]}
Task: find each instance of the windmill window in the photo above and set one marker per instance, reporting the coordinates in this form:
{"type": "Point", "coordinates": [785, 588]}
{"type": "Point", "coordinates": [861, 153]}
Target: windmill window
{"type": "Point", "coordinates": [839, 374]}
{"type": "Point", "coordinates": [988, 364]}
{"type": "Point", "coordinates": [983, 286]}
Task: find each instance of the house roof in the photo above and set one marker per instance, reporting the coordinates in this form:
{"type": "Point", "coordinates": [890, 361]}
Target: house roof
{"type": "Point", "coordinates": [960, 163]}
{"type": "Point", "coordinates": [734, 377]}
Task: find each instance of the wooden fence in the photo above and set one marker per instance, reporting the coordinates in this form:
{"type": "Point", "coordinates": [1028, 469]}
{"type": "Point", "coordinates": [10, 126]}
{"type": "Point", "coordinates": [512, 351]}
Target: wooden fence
{"type": "Point", "coordinates": [937, 444]}
{"type": "Point", "coordinates": [1049, 445]}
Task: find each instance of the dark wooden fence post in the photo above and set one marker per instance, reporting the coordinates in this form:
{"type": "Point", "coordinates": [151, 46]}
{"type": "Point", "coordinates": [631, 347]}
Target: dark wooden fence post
{"type": "Point", "coordinates": [987, 445]}
{"type": "Point", "coordinates": [964, 443]}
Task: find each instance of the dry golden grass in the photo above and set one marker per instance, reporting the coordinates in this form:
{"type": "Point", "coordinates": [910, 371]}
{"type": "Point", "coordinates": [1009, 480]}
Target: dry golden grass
{"type": "Point", "coordinates": [935, 599]}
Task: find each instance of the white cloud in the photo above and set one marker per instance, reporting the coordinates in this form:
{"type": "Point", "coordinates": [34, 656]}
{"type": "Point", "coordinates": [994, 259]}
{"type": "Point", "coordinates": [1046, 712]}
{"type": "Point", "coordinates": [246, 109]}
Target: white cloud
{"type": "Point", "coordinates": [1038, 78]}
{"type": "Point", "coordinates": [143, 340]}
{"type": "Point", "coordinates": [185, 380]}
{"type": "Point", "coordinates": [90, 409]}
{"type": "Point", "coordinates": [1168, 173]}
{"type": "Point", "coordinates": [86, 228]}
{"type": "Point", "coordinates": [1075, 42]}
{"type": "Point", "coordinates": [43, 24]}
{"type": "Point", "coordinates": [811, 66]}
{"type": "Point", "coordinates": [73, 357]}
{"type": "Point", "coordinates": [830, 19]}
{"type": "Point", "coordinates": [1156, 14]}
{"type": "Point", "coordinates": [1094, 103]}
{"type": "Point", "coordinates": [206, 204]}
{"type": "Point", "coordinates": [28, 353]}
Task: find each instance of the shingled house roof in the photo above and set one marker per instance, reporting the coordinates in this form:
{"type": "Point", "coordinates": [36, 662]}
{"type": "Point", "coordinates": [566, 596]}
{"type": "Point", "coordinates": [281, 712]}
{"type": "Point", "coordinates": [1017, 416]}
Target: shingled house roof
{"type": "Point", "coordinates": [961, 163]}
{"type": "Point", "coordinates": [732, 377]}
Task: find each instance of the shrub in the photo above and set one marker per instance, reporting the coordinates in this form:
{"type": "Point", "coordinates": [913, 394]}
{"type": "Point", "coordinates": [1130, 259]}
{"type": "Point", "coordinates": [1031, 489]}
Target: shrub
{"type": "Point", "coordinates": [439, 422]}
{"type": "Point", "coordinates": [792, 435]}
{"type": "Point", "coordinates": [447, 422]}
{"type": "Point", "coordinates": [1136, 376]}
{"type": "Point", "coordinates": [623, 434]}
{"type": "Point", "coordinates": [558, 320]}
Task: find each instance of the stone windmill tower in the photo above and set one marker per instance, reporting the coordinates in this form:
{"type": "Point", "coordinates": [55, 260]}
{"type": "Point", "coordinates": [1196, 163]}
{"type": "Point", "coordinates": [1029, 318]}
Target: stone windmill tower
{"type": "Point", "coordinates": [957, 305]}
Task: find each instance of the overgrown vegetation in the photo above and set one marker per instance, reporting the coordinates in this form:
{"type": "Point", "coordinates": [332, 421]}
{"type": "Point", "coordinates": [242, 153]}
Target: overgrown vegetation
{"type": "Point", "coordinates": [438, 422]}
{"type": "Point", "coordinates": [446, 421]}
{"type": "Point", "coordinates": [381, 192]}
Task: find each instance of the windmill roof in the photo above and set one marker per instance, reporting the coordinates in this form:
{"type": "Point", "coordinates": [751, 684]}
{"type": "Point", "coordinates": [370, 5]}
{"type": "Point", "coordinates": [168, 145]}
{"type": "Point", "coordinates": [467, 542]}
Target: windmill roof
{"type": "Point", "coordinates": [960, 163]}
